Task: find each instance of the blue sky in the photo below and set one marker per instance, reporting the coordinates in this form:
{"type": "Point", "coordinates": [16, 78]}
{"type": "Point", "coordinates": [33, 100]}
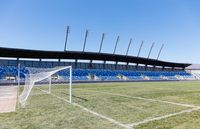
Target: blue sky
{"type": "Point", "coordinates": [41, 24]}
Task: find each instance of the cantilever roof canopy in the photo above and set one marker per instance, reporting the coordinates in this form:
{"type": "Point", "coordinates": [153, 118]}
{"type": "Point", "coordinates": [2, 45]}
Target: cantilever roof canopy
{"type": "Point", "coordinates": [193, 67]}
{"type": "Point", "coordinates": [41, 54]}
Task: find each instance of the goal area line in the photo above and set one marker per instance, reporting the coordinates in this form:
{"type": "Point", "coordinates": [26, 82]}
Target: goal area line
{"type": "Point", "coordinates": [135, 124]}
{"type": "Point", "coordinates": [193, 108]}
{"type": "Point", "coordinates": [90, 111]}
{"type": "Point", "coordinates": [146, 99]}
{"type": "Point", "coordinates": [163, 117]}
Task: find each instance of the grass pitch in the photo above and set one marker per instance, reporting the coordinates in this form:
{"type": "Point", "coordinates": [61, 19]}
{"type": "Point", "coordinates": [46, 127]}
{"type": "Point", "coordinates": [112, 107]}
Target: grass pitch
{"type": "Point", "coordinates": [138, 105]}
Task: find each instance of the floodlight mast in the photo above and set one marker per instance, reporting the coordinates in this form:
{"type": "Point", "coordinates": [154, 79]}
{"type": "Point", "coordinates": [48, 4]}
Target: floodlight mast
{"type": "Point", "coordinates": [140, 48]}
{"type": "Point", "coordinates": [66, 38]}
{"type": "Point", "coordinates": [102, 39]}
{"type": "Point", "coordinates": [160, 51]}
{"type": "Point", "coordinates": [128, 46]}
{"type": "Point", "coordinates": [150, 50]}
{"type": "Point", "coordinates": [116, 45]}
{"type": "Point", "coordinates": [85, 40]}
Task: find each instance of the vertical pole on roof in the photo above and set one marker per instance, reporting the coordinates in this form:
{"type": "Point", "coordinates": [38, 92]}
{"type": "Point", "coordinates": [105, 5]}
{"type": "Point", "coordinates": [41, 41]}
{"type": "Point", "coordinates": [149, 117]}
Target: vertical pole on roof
{"type": "Point", "coordinates": [76, 61]}
{"type": "Point", "coordinates": [66, 38]}
{"type": "Point", "coordinates": [17, 61]}
{"type": "Point", "coordinates": [127, 65]}
{"type": "Point", "coordinates": [104, 64]}
{"type": "Point", "coordinates": [146, 67]}
{"type": "Point", "coordinates": [90, 66]}
{"type": "Point", "coordinates": [85, 40]}
{"type": "Point", "coordinates": [140, 48]}
{"type": "Point", "coordinates": [163, 68]}
{"type": "Point", "coordinates": [128, 46]}
{"type": "Point", "coordinates": [116, 44]}
{"type": "Point", "coordinates": [160, 51]}
{"type": "Point", "coordinates": [59, 62]}
{"type": "Point", "coordinates": [18, 85]}
{"type": "Point", "coordinates": [116, 64]}
{"type": "Point", "coordinates": [40, 62]}
{"type": "Point", "coordinates": [150, 50]}
{"type": "Point", "coordinates": [102, 39]}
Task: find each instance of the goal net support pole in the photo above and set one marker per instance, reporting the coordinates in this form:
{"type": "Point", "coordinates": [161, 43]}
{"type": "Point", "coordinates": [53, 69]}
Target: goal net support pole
{"type": "Point", "coordinates": [18, 85]}
{"type": "Point", "coordinates": [70, 84]}
{"type": "Point", "coordinates": [50, 85]}
{"type": "Point", "coordinates": [39, 74]}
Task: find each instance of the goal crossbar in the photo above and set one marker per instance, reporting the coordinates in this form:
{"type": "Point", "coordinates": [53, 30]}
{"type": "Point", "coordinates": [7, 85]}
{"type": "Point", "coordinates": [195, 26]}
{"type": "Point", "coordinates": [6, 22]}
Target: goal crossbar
{"type": "Point", "coordinates": [38, 74]}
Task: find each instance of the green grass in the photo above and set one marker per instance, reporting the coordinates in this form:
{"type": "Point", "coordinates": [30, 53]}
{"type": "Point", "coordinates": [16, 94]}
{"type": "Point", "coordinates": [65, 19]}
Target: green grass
{"type": "Point", "coordinates": [45, 111]}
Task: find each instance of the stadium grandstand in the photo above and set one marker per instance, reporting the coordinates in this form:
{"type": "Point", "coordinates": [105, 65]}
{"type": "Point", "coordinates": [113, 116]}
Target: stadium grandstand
{"type": "Point", "coordinates": [120, 65]}
{"type": "Point", "coordinates": [97, 69]}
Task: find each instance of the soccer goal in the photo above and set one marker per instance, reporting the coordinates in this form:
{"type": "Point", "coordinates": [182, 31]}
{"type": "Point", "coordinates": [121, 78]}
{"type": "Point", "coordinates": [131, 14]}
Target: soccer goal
{"type": "Point", "coordinates": [43, 79]}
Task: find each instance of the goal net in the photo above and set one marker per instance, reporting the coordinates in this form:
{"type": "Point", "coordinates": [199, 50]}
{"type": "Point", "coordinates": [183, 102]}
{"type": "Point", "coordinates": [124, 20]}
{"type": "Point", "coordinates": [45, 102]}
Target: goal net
{"type": "Point", "coordinates": [43, 80]}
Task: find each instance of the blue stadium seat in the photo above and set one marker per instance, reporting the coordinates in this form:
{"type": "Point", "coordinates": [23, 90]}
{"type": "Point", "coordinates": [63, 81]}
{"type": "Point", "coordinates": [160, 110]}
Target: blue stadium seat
{"type": "Point", "coordinates": [106, 75]}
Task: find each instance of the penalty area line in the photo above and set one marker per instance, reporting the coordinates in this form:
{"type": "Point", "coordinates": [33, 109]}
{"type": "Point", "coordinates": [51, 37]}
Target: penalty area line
{"type": "Point", "coordinates": [146, 99]}
{"type": "Point", "coordinates": [163, 117]}
{"type": "Point", "coordinates": [133, 125]}
{"type": "Point", "coordinates": [92, 112]}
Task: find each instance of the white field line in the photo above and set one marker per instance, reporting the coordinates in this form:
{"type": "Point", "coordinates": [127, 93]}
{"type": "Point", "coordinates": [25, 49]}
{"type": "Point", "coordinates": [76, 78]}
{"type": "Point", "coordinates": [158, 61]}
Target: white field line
{"type": "Point", "coordinates": [194, 108]}
{"type": "Point", "coordinates": [146, 99]}
{"type": "Point", "coordinates": [128, 126]}
{"type": "Point", "coordinates": [163, 117]}
{"type": "Point", "coordinates": [92, 112]}
{"type": "Point", "coordinates": [104, 117]}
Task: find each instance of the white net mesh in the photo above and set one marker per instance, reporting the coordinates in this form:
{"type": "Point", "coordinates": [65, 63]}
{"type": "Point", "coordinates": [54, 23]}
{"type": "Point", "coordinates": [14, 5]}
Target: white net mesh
{"type": "Point", "coordinates": [37, 75]}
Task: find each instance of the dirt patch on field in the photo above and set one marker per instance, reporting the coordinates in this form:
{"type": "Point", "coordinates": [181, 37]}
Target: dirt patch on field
{"type": "Point", "coordinates": [8, 98]}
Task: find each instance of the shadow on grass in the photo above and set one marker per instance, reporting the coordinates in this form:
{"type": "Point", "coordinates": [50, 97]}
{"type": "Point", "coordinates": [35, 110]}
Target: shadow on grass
{"type": "Point", "coordinates": [80, 98]}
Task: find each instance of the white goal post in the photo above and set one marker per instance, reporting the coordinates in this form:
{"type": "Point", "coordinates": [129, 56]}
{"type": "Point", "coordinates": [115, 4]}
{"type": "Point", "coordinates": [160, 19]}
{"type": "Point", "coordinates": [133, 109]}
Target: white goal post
{"type": "Point", "coordinates": [35, 75]}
